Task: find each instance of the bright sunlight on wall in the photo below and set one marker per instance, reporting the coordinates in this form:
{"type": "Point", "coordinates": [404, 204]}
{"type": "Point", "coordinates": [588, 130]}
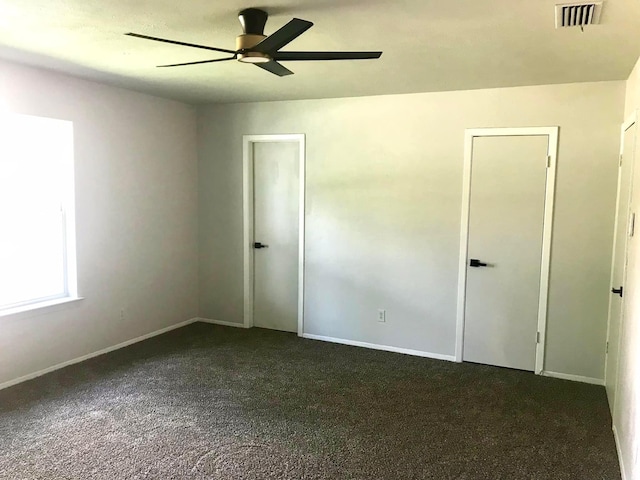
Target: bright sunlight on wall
{"type": "Point", "coordinates": [37, 240]}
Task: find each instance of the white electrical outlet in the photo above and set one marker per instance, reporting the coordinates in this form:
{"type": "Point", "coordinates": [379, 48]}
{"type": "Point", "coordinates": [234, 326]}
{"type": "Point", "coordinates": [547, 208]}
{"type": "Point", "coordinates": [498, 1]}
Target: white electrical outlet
{"type": "Point", "coordinates": [382, 315]}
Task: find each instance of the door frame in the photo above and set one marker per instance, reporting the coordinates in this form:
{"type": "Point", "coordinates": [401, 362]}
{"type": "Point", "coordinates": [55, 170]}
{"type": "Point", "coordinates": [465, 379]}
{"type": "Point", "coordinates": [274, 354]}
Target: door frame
{"type": "Point", "coordinates": [248, 220]}
{"type": "Point", "coordinates": [629, 123]}
{"type": "Point", "coordinates": [552, 160]}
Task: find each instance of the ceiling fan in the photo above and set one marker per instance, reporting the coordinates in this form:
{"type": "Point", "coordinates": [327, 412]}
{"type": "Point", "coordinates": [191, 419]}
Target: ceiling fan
{"type": "Point", "coordinates": [264, 52]}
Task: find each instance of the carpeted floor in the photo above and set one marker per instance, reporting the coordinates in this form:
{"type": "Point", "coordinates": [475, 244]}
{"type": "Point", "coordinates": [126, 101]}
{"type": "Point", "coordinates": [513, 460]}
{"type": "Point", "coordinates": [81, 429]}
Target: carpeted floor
{"type": "Point", "coordinates": [209, 402]}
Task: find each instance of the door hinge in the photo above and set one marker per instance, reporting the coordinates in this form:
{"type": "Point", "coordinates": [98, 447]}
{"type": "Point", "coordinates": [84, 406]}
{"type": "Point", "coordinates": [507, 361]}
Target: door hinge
{"type": "Point", "coordinates": [607, 348]}
{"type": "Point", "coordinates": [537, 337]}
{"type": "Point", "coordinates": [620, 164]}
{"type": "Point", "coordinates": [632, 224]}
{"type": "Point", "coordinates": [548, 161]}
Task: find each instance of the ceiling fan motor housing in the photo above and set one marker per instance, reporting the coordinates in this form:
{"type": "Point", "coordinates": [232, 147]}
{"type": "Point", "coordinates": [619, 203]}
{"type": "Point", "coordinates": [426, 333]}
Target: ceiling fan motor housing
{"type": "Point", "coordinates": [243, 45]}
{"type": "Point", "coordinates": [253, 22]}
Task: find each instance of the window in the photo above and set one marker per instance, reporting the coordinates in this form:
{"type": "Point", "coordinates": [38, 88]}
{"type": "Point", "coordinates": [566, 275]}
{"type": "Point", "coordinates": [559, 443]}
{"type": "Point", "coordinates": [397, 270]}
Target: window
{"type": "Point", "coordinates": [37, 231]}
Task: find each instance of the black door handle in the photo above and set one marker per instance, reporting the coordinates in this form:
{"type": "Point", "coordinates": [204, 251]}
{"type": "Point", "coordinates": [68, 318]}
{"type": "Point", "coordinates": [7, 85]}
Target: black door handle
{"type": "Point", "coordinates": [260, 245]}
{"type": "Point", "coordinates": [617, 291]}
{"type": "Point", "coordinates": [474, 262]}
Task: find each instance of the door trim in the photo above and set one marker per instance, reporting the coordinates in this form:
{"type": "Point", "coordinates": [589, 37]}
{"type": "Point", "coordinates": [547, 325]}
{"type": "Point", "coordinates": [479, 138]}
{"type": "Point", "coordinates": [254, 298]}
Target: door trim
{"type": "Point", "coordinates": [630, 122]}
{"type": "Point", "coordinates": [552, 152]}
{"type": "Point", "coordinates": [248, 217]}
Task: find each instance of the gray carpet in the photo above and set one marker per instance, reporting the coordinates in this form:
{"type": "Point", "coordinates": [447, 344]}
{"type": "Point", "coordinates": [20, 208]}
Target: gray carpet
{"type": "Point", "coordinates": [208, 402]}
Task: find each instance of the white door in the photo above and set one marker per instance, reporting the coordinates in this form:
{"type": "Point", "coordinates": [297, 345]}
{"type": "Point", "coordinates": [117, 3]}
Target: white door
{"type": "Point", "coordinates": [506, 225]}
{"type": "Point", "coordinates": [276, 188]}
{"type": "Point", "coordinates": [618, 273]}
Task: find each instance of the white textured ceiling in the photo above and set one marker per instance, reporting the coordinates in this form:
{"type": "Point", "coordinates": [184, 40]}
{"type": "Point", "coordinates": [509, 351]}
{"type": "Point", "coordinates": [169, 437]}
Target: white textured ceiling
{"type": "Point", "coordinates": [428, 45]}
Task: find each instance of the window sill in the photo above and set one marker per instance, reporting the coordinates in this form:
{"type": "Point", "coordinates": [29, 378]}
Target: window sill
{"type": "Point", "coordinates": [39, 305]}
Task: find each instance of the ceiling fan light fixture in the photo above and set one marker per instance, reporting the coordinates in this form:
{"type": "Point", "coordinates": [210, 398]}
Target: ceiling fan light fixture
{"type": "Point", "coordinates": [253, 57]}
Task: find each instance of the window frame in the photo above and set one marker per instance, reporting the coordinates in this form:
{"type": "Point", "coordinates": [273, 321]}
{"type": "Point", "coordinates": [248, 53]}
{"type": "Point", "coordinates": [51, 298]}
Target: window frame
{"type": "Point", "coordinates": [67, 220]}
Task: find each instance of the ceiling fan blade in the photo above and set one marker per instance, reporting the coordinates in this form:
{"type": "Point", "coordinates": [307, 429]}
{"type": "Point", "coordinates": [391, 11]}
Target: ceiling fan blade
{"type": "Point", "coordinates": [280, 38]}
{"type": "Point", "coordinates": [298, 56]}
{"type": "Point", "coordinates": [275, 68]}
{"type": "Point", "coordinates": [174, 42]}
{"type": "Point", "coordinates": [197, 63]}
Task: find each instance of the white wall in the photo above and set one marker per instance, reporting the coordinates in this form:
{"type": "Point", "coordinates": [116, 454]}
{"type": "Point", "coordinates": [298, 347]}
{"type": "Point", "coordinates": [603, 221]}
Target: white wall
{"type": "Point", "coordinates": [627, 408]}
{"type": "Point", "coordinates": [136, 202]}
{"type": "Point", "coordinates": [632, 97]}
{"type": "Point", "coordinates": [384, 187]}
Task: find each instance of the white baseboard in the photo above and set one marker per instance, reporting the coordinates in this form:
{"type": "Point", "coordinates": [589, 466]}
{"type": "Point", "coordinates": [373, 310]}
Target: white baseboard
{"type": "Point", "coordinates": [619, 450]}
{"type": "Point", "coordinates": [221, 322]}
{"type": "Point", "coordinates": [574, 378]}
{"type": "Point", "coordinates": [39, 373]}
{"type": "Point", "coordinates": [374, 346]}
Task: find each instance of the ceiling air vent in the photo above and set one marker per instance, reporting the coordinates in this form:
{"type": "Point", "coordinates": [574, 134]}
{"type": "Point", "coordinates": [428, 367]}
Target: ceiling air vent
{"type": "Point", "coordinates": [578, 14]}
